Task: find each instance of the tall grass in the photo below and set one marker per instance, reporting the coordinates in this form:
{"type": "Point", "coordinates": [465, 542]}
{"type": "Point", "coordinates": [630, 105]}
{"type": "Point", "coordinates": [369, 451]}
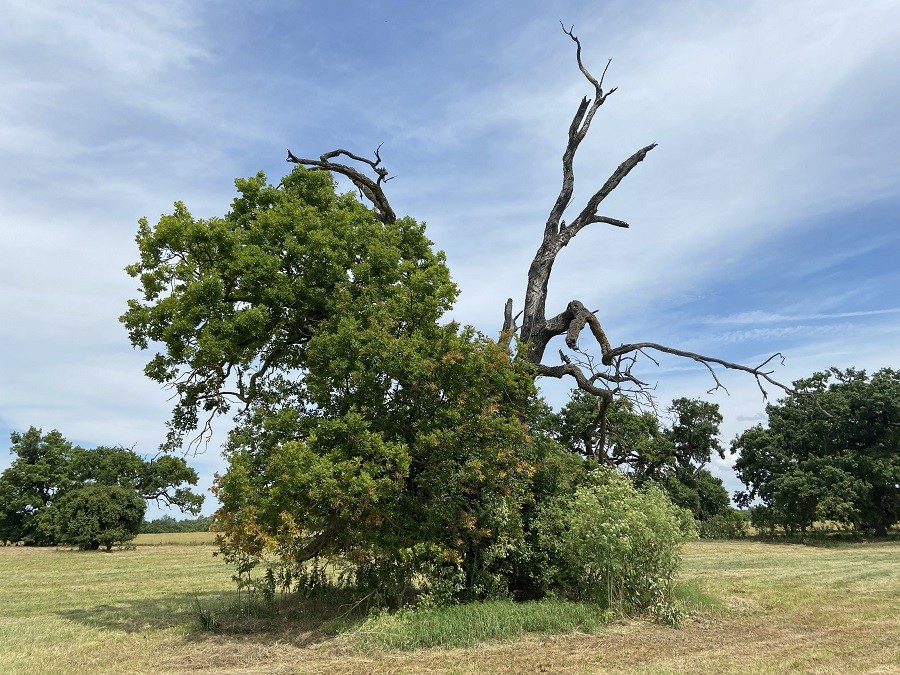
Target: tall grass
{"type": "Point", "coordinates": [467, 625]}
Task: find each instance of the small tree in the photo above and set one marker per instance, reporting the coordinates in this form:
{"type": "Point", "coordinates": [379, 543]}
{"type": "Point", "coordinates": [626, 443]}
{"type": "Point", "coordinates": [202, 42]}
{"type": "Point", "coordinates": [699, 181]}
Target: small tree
{"type": "Point", "coordinates": [614, 543]}
{"type": "Point", "coordinates": [98, 515]}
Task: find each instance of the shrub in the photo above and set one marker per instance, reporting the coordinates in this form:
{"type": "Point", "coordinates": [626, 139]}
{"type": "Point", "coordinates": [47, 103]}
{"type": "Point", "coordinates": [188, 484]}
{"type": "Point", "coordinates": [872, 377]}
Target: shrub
{"type": "Point", "coordinates": [99, 515]}
{"type": "Point", "coordinates": [614, 544]}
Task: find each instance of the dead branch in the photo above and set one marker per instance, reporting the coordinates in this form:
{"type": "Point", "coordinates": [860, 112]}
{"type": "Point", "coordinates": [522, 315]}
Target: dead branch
{"type": "Point", "coordinates": [537, 330]}
{"type": "Point", "coordinates": [371, 189]}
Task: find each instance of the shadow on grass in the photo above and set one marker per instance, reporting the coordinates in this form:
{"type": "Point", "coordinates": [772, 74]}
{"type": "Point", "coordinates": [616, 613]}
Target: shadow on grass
{"type": "Point", "coordinates": [832, 539]}
{"type": "Point", "coordinates": [298, 621]}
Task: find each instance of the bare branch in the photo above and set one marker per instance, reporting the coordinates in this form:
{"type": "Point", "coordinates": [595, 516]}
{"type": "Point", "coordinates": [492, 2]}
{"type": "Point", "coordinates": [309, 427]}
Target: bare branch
{"type": "Point", "coordinates": [578, 129]}
{"type": "Point", "coordinates": [615, 369]}
{"type": "Point", "coordinates": [371, 189]}
{"type": "Point", "coordinates": [757, 371]}
{"type": "Point", "coordinates": [571, 369]}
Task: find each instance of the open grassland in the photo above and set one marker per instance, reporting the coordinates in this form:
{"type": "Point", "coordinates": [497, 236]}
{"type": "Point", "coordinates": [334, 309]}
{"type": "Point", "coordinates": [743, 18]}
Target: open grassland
{"type": "Point", "coordinates": [784, 609]}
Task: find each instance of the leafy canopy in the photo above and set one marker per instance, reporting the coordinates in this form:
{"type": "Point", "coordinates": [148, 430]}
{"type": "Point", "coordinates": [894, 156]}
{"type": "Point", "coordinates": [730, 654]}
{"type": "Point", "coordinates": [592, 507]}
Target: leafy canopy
{"type": "Point", "coordinates": [99, 514]}
{"type": "Point", "coordinates": [48, 467]}
{"type": "Point", "coordinates": [672, 457]}
{"type": "Point", "coordinates": [366, 430]}
{"type": "Point", "coordinates": [833, 454]}
{"type": "Point", "coordinates": [258, 307]}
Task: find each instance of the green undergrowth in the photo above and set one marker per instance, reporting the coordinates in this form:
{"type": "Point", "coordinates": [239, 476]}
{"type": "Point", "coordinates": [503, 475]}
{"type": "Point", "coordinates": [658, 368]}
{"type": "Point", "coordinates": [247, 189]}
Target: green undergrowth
{"type": "Point", "coordinates": [470, 624]}
{"type": "Point", "coordinates": [424, 627]}
{"type": "Point", "coordinates": [502, 620]}
{"type": "Point", "coordinates": [693, 601]}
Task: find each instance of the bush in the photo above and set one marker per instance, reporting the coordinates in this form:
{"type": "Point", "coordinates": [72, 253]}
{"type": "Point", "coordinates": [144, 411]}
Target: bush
{"type": "Point", "coordinates": [99, 515]}
{"type": "Point", "coordinates": [728, 524]}
{"type": "Point", "coordinates": [614, 544]}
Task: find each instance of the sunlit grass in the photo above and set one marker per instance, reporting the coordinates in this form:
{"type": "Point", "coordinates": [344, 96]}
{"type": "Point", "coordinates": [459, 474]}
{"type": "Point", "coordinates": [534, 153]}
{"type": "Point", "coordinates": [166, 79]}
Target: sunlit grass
{"type": "Point", "coordinates": [71, 611]}
{"type": "Point", "coordinates": [467, 625]}
{"type": "Point", "coordinates": [754, 608]}
{"type": "Point", "coordinates": [176, 539]}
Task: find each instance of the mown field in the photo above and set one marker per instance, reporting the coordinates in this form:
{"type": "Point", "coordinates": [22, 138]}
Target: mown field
{"type": "Point", "coordinates": [785, 609]}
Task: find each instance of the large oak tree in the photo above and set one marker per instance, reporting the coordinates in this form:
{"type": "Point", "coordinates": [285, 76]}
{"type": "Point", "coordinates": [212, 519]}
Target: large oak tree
{"type": "Point", "coordinates": [832, 456]}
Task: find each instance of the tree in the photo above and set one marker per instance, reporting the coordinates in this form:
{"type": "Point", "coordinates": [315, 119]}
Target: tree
{"type": "Point", "coordinates": [673, 457]}
{"type": "Point", "coordinates": [831, 455]}
{"type": "Point", "coordinates": [99, 514]}
{"type": "Point", "coordinates": [29, 486]}
{"type": "Point", "coordinates": [48, 467]}
{"type": "Point", "coordinates": [365, 428]}
{"type": "Point", "coordinates": [609, 376]}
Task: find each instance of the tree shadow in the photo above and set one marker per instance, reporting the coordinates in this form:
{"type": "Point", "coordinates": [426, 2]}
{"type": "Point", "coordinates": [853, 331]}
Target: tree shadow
{"type": "Point", "coordinates": [217, 615]}
{"type": "Point", "coordinates": [823, 539]}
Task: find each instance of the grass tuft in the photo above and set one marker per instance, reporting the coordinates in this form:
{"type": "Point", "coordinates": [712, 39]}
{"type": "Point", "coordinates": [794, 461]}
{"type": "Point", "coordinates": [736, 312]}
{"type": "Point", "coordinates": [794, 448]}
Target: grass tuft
{"type": "Point", "coordinates": [467, 625]}
{"type": "Point", "coordinates": [693, 601]}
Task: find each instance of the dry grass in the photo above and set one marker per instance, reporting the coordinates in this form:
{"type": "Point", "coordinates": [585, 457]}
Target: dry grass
{"type": "Point", "coordinates": [792, 609]}
{"type": "Point", "coordinates": [176, 539]}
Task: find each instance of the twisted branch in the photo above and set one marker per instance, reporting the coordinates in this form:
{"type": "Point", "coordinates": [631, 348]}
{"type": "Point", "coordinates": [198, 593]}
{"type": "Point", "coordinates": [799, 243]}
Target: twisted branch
{"type": "Point", "coordinates": [371, 189]}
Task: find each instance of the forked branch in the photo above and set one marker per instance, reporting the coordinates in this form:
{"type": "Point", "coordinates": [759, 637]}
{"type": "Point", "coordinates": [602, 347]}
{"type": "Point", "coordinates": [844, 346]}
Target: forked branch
{"type": "Point", "coordinates": [371, 189]}
{"type": "Point", "coordinates": [613, 374]}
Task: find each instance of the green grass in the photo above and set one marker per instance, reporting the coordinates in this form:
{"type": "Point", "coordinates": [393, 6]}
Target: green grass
{"type": "Point", "coordinates": [694, 601]}
{"type": "Point", "coordinates": [69, 611]}
{"type": "Point", "coordinates": [755, 608]}
{"type": "Point", "coordinates": [468, 625]}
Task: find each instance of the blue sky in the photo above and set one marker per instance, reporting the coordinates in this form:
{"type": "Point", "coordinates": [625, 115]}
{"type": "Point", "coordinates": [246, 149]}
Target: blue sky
{"type": "Point", "coordinates": [766, 220]}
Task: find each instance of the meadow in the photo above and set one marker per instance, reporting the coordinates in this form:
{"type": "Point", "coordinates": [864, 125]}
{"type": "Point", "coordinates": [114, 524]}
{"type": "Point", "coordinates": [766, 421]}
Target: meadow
{"type": "Point", "coordinates": [778, 608]}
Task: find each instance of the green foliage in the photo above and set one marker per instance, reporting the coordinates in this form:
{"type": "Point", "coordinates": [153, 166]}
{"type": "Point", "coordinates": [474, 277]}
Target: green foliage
{"type": "Point", "coordinates": [727, 524]}
{"type": "Point", "coordinates": [168, 525]}
{"type": "Point", "coordinates": [467, 625]}
{"type": "Point", "coordinates": [29, 485]}
{"type": "Point", "coordinates": [615, 544]}
{"type": "Point", "coordinates": [370, 438]}
{"type": "Point", "coordinates": [672, 457]}
{"type": "Point", "coordinates": [830, 455]}
{"type": "Point", "coordinates": [98, 514]}
{"type": "Point", "coordinates": [270, 301]}
{"type": "Point", "coordinates": [368, 434]}
{"type": "Point", "coordinates": [48, 467]}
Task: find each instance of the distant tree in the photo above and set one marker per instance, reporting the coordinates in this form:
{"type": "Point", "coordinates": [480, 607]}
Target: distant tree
{"type": "Point", "coordinates": [48, 467]}
{"type": "Point", "coordinates": [831, 455]}
{"type": "Point", "coordinates": [167, 524]}
{"type": "Point", "coordinates": [673, 457]}
{"type": "Point", "coordinates": [29, 486]}
{"type": "Point", "coordinates": [98, 515]}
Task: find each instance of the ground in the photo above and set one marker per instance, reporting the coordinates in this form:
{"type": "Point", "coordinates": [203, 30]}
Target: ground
{"type": "Point", "coordinates": [786, 609]}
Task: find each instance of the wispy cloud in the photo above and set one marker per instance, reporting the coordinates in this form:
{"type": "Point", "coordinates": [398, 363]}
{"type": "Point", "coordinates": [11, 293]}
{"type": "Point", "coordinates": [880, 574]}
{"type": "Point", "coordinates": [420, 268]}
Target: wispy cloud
{"type": "Point", "coordinates": [775, 121]}
{"type": "Point", "coordinates": [756, 317]}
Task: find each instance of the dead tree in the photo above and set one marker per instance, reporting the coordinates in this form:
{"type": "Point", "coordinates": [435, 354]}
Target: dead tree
{"type": "Point", "coordinates": [611, 374]}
